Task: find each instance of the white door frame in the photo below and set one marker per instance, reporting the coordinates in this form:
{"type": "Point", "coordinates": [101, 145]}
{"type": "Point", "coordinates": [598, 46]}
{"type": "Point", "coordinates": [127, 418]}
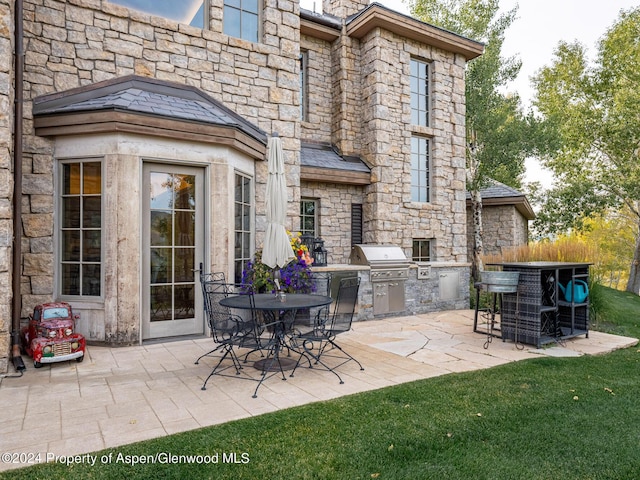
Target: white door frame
{"type": "Point", "coordinates": [192, 325]}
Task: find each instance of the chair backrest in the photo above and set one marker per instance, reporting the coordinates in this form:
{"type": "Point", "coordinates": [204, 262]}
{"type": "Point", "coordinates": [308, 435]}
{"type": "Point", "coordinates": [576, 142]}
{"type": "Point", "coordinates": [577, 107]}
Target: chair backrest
{"type": "Point", "coordinates": [219, 318]}
{"type": "Point", "coordinates": [322, 283]}
{"type": "Point", "coordinates": [345, 305]}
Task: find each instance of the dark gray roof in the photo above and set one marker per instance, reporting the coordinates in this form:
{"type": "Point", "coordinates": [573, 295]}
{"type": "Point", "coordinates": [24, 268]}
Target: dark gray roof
{"type": "Point", "coordinates": [321, 18]}
{"type": "Point", "coordinates": [147, 96]}
{"type": "Point", "coordinates": [498, 190]}
{"type": "Point", "coordinates": [500, 194]}
{"type": "Point", "coordinates": [325, 156]}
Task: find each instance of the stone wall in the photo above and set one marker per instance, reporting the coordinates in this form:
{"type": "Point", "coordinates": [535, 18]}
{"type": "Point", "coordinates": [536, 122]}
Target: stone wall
{"type": "Point", "coordinates": [370, 118]}
{"type": "Point", "coordinates": [389, 214]}
{"type": "Point", "coordinates": [78, 42]}
{"type": "Point", "coordinates": [503, 227]}
{"type": "Point", "coordinates": [334, 202]}
{"type": "Point", "coordinates": [6, 176]}
{"type": "Point", "coordinates": [425, 291]}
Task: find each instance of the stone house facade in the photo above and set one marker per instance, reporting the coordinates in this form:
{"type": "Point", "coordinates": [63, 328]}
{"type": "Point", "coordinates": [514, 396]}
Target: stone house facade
{"type": "Point", "coordinates": [144, 139]}
{"type": "Point", "coordinates": [505, 216]}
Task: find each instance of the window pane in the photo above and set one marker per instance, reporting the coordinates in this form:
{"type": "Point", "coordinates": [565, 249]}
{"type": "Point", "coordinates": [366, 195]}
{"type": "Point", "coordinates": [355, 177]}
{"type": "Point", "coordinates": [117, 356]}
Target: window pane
{"type": "Point", "coordinates": [91, 210]}
{"type": "Point", "coordinates": [183, 265]}
{"type": "Point", "coordinates": [91, 280]}
{"type": "Point", "coordinates": [250, 27]}
{"type": "Point", "coordinates": [71, 245]}
{"type": "Point", "coordinates": [71, 212]}
{"type": "Point", "coordinates": [231, 22]}
{"type": "Point", "coordinates": [91, 246]}
{"type": "Point", "coordinates": [161, 307]}
{"type": "Point", "coordinates": [246, 216]}
{"type": "Point", "coordinates": [70, 279]}
{"type": "Point", "coordinates": [161, 228]}
{"type": "Point", "coordinates": [160, 265]}
{"type": "Point", "coordinates": [185, 192]}
{"type": "Point", "coordinates": [246, 189]}
{"type": "Point", "coordinates": [91, 179]}
{"type": "Point", "coordinates": [250, 6]}
{"type": "Point", "coordinates": [185, 228]}
{"type": "Point", "coordinates": [184, 301]}
{"type": "Point", "coordinates": [161, 190]}
{"type": "Point", "coordinates": [71, 179]}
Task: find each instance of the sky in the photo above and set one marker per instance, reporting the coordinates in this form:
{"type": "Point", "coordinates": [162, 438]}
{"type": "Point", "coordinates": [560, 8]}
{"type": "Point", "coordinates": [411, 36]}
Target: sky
{"type": "Point", "coordinates": [533, 36]}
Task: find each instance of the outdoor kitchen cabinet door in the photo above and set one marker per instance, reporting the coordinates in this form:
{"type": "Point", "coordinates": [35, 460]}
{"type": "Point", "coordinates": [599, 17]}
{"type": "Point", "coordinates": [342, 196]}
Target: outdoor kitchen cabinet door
{"type": "Point", "coordinates": [388, 297]}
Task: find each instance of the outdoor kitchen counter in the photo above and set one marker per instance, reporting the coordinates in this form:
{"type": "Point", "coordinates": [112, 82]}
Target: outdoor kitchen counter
{"type": "Point", "coordinates": [430, 287]}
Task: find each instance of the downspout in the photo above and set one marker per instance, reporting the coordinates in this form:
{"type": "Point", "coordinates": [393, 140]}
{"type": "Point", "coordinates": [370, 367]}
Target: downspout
{"type": "Point", "coordinates": [17, 186]}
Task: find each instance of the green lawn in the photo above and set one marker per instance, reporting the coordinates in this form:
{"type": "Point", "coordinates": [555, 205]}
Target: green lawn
{"type": "Point", "coordinates": [547, 418]}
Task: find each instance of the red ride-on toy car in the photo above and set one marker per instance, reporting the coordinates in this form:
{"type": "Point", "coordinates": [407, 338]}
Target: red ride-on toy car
{"type": "Point", "coordinates": [50, 336]}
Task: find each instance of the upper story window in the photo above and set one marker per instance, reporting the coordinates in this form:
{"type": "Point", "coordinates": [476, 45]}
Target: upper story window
{"type": "Point", "coordinates": [190, 12]}
{"type": "Point", "coordinates": [304, 79]}
{"type": "Point", "coordinates": [309, 217]}
{"type": "Point", "coordinates": [80, 228]}
{"type": "Point", "coordinates": [420, 111]}
{"type": "Point", "coordinates": [241, 19]}
{"type": "Point", "coordinates": [420, 170]}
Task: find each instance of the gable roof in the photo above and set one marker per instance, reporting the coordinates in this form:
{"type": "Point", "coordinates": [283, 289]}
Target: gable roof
{"type": "Point", "coordinates": [499, 194]}
{"type": "Point", "coordinates": [148, 106]}
{"type": "Point", "coordinates": [328, 27]}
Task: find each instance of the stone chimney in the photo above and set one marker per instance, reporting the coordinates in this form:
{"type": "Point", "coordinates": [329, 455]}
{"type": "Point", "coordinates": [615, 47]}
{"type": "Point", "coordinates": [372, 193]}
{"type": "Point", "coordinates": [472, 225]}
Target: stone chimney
{"type": "Point", "coordinates": [343, 8]}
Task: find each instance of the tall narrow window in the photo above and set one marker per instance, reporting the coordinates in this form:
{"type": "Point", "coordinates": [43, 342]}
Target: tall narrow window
{"type": "Point", "coordinates": [420, 170]}
{"type": "Point", "coordinates": [420, 93]}
{"type": "Point", "coordinates": [304, 94]}
{"type": "Point", "coordinates": [421, 250]}
{"type": "Point", "coordinates": [241, 19]}
{"type": "Point", "coordinates": [308, 217]}
{"type": "Point", "coordinates": [191, 12]}
{"type": "Point", "coordinates": [81, 229]}
{"type": "Point", "coordinates": [243, 213]}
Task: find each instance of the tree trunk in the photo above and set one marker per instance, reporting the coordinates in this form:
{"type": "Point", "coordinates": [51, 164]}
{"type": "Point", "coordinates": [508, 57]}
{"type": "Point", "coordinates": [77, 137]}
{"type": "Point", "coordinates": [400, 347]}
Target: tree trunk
{"type": "Point", "coordinates": [633, 285]}
{"type": "Point", "coordinates": [476, 215]}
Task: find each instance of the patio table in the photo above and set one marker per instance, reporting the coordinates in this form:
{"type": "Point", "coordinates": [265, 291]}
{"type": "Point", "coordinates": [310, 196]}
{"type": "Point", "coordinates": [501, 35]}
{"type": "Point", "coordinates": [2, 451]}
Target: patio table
{"type": "Point", "coordinates": [280, 314]}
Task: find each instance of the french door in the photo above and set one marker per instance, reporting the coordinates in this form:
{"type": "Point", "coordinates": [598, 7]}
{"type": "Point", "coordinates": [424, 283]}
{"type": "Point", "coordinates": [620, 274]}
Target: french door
{"type": "Point", "coordinates": [173, 238]}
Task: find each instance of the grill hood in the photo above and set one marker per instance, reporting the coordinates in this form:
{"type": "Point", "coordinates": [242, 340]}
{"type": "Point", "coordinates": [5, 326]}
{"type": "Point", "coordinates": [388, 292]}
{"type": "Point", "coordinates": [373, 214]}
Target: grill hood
{"type": "Point", "coordinates": [377, 255]}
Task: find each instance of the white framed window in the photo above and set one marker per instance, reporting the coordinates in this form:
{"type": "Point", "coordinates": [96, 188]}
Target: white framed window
{"type": "Point", "coordinates": [80, 228]}
{"type": "Point", "coordinates": [309, 217]}
{"type": "Point", "coordinates": [191, 12]}
{"type": "Point", "coordinates": [243, 215]}
{"type": "Point", "coordinates": [419, 79]}
{"type": "Point", "coordinates": [241, 19]}
{"type": "Point", "coordinates": [420, 170]}
{"type": "Point", "coordinates": [421, 251]}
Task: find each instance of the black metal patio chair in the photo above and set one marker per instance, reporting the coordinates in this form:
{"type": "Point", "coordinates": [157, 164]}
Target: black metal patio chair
{"type": "Point", "coordinates": [229, 331]}
{"type": "Point", "coordinates": [319, 344]}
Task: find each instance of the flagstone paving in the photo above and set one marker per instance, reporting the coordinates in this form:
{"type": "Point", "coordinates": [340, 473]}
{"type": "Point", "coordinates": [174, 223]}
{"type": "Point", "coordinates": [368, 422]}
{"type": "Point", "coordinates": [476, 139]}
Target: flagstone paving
{"type": "Point", "coordinates": [124, 395]}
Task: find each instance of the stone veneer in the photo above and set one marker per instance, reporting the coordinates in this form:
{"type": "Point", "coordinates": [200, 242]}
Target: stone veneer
{"type": "Point", "coordinates": [370, 118]}
{"type": "Point", "coordinates": [504, 227]}
{"type": "Point", "coordinates": [79, 42]}
{"type": "Point", "coordinates": [6, 175]}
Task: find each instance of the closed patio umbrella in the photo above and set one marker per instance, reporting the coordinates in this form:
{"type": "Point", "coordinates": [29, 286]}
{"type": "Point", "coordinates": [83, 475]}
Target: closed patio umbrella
{"type": "Point", "coordinates": [277, 251]}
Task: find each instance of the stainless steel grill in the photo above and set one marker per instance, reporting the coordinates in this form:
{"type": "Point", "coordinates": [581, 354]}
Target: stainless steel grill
{"type": "Point", "coordinates": [389, 272]}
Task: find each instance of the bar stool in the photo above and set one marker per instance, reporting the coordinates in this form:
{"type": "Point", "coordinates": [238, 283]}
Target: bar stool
{"type": "Point", "coordinates": [496, 284]}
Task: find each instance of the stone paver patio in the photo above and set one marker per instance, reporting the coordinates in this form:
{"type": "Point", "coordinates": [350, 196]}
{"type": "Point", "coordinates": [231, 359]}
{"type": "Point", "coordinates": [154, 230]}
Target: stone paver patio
{"type": "Point", "coordinates": [123, 395]}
